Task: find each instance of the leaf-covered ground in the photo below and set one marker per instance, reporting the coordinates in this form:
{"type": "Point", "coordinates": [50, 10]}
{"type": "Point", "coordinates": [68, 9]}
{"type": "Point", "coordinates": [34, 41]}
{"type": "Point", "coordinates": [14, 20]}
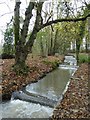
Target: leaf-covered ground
{"type": "Point", "coordinates": [11, 82]}
{"type": "Point", "coordinates": [75, 103]}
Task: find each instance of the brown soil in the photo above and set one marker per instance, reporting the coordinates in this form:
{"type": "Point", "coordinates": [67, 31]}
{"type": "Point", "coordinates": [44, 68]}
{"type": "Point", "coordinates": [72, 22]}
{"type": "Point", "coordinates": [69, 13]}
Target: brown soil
{"type": "Point", "coordinates": [11, 82]}
{"type": "Point", "coordinates": [75, 103]}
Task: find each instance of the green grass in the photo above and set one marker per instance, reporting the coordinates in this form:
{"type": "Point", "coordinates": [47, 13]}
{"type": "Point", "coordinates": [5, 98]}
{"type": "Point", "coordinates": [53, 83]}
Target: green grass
{"type": "Point", "coordinates": [0, 50]}
{"type": "Point", "coordinates": [54, 64]}
{"type": "Point", "coordinates": [84, 58]}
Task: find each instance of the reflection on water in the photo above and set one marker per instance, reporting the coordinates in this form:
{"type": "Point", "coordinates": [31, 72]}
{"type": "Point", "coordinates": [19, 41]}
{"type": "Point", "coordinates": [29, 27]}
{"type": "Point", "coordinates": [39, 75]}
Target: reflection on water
{"type": "Point", "coordinates": [53, 84]}
{"type": "Point", "coordinates": [21, 109]}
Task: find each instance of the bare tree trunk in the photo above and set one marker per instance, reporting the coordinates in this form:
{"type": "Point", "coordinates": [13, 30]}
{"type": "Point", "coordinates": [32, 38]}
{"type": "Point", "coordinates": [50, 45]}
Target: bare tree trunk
{"type": "Point", "coordinates": [86, 45]}
{"type": "Point", "coordinates": [77, 50]}
{"type": "Point", "coordinates": [55, 48]}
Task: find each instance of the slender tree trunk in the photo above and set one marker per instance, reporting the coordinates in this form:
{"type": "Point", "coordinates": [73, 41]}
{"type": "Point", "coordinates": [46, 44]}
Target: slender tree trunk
{"type": "Point", "coordinates": [55, 48]}
{"type": "Point", "coordinates": [51, 47]}
{"type": "Point", "coordinates": [77, 56]}
{"type": "Point", "coordinates": [86, 46]}
{"type": "Point", "coordinates": [77, 51]}
{"type": "Point", "coordinates": [51, 43]}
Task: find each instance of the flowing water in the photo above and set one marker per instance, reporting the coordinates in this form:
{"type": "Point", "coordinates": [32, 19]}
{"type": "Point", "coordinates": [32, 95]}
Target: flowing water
{"type": "Point", "coordinates": [51, 86]}
{"type": "Point", "coordinates": [22, 109]}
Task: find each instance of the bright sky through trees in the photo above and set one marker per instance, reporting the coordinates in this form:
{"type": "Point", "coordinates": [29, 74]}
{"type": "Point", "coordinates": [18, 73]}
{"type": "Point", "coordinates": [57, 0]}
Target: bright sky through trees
{"type": "Point", "coordinates": [7, 8]}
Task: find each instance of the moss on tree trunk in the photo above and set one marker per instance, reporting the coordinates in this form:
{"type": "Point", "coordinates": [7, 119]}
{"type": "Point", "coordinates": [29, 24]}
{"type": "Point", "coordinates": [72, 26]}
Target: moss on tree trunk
{"type": "Point", "coordinates": [20, 66]}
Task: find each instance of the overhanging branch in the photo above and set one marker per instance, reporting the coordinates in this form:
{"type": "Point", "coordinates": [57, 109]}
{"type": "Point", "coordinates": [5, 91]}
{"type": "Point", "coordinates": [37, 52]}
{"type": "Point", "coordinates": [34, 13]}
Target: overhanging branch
{"type": "Point", "coordinates": [65, 20]}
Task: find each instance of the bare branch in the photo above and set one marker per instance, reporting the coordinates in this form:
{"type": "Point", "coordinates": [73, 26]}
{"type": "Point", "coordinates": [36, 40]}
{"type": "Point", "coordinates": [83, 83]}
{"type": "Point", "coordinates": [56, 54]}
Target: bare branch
{"type": "Point", "coordinates": [65, 20]}
{"type": "Point", "coordinates": [49, 18]}
{"type": "Point", "coordinates": [6, 5]}
{"type": "Point", "coordinates": [6, 14]}
{"type": "Point", "coordinates": [10, 21]}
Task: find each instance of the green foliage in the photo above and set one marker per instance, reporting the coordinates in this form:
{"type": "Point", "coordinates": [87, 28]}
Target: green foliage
{"type": "Point", "coordinates": [8, 46]}
{"type": "Point", "coordinates": [84, 58]}
{"type": "Point", "coordinates": [49, 42]}
{"type": "Point", "coordinates": [64, 36]}
{"type": "Point", "coordinates": [42, 43]}
{"type": "Point", "coordinates": [54, 64]}
{"type": "Point", "coordinates": [81, 31]}
{"type": "Point", "coordinates": [0, 49]}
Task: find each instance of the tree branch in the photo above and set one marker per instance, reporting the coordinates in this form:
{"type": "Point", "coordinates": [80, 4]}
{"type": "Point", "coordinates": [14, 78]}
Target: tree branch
{"type": "Point", "coordinates": [6, 14]}
{"type": "Point", "coordinates": [37, 27]}
{"type": "Point", "coordinates": [28, 15]}
{"type": "Point", "coordinates": [65, 20]}
{"type": "Point", "coordinates": [6, 5]}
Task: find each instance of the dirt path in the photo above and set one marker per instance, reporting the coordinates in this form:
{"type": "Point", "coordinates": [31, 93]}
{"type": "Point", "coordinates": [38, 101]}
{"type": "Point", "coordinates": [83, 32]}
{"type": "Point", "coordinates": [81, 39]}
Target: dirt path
{"type": "Point", "coordinates": [75, 103]}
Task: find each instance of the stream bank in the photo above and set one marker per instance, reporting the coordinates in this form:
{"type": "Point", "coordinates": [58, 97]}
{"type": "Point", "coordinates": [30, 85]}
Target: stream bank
{"type": "Point", "coordinates": [37, 100]}
{"type": "Point", "coordinates": [39, 68]}
{"type": "Point", "coordinates": [75, 103]}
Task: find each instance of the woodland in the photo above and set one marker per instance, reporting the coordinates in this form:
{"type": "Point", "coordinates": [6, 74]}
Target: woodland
{"type": "Point", "coordinates": [36, 42]}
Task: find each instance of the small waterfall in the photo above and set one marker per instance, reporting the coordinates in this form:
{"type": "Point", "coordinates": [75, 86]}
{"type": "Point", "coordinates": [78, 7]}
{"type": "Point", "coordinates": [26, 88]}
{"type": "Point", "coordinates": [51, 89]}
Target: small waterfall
{"type": "Point", "coordinates": [48, 90]}
{"type": "Point", "coordinates": [70, 63]}
{"type": "Point", "coordinates": [70, 60]}
{"type": "Point", "coordinates": [34, 98]}
{"type": "Point", "coordinates": [21, 109]}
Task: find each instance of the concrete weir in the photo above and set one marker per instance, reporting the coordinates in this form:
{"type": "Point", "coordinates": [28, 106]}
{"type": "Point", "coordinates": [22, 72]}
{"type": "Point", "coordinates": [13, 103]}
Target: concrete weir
{"type": "Point", "coordinates": [34, 98]}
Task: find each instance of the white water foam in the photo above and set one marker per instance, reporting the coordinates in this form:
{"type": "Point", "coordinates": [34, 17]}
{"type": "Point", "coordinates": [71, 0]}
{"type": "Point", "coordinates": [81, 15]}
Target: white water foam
{"type": "Point", "coordinates": [21, 109]}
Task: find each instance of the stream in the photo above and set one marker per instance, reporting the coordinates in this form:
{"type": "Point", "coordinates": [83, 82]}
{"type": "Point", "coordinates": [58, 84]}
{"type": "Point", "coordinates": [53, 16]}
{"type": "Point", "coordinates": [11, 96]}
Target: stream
{"type": "Point", "coordinates": [49, 88]}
